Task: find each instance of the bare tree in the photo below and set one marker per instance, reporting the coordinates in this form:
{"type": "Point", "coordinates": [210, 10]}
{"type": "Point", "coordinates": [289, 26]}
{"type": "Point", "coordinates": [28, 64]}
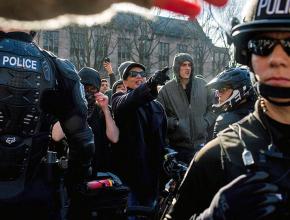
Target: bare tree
{"type": "Point", "coordinates": [89, 45]}
{"type": "Point", "coordinates": [140, 37]}
{"type": "Point", "coordinates": [200, 44]}
{"type": "Point", "coordinates": [103, 43]}
{"type": "Point", "coordinates": [216, 24]}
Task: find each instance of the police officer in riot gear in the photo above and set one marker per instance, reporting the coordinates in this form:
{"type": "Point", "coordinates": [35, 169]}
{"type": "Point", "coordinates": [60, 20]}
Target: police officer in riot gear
{"type": "Point", "coordinates": [37, 88]}
{"type": "Point", "coordinates": [244, 172]}
{"type": "Point", "coordinates": [236, 96]}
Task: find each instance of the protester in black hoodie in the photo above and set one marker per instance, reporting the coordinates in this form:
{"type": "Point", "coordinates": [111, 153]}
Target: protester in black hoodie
{"type": "Point", "coordinates": [105, 132]}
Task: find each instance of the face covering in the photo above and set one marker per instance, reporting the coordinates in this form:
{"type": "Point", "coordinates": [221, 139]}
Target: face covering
{"type": "Point", "coordinates": [91, 102]}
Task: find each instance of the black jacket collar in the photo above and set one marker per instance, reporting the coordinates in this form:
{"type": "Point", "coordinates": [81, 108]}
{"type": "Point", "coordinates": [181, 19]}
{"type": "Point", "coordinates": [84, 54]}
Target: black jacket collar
{"type": "Point", "coordinates": [22, 36]}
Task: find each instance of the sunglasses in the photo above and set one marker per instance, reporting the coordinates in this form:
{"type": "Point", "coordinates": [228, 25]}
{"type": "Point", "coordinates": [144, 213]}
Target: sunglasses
{"type": "Point", "coordinates": [134, 74]}
{"type": "Point", "coordinates": [223, 90]}
{"type": "Point", "coordinates": [265, 46]}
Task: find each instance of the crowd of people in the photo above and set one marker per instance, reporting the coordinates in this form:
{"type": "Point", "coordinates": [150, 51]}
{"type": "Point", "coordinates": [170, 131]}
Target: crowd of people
{"type": "Point", "coordinates": [61, 127]}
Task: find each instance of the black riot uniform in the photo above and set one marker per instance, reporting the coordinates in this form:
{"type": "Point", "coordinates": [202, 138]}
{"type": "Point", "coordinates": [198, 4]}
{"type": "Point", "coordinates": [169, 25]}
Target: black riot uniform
{"type": "Point", "coordinates": [220, 161]}
{"type": "Point", "coordinates": [241, 101]}
{"type": "Point", "coordinates": [244, 172]}
{"type": "Point", "coordinates": [36, 87]}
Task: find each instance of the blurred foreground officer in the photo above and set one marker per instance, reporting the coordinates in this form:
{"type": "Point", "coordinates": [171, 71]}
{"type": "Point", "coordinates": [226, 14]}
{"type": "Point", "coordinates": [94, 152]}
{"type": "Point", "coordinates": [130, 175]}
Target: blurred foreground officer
{"type": "Point", "coordinates": [244, 172]}
{"type": "Point", "coordinates": [236, 96]}
{"type": "Point", "coordinates": [34, 86]}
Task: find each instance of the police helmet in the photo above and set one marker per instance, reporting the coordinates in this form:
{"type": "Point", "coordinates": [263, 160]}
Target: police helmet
{"type": "Point", "coordinates": [239, 80]}
{"type": "Point", "coordinates": [90, 76]}
{"type": "Point", "coordinates": [260, 16]}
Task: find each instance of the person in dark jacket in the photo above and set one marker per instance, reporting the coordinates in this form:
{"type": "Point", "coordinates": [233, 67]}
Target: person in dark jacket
{"type": "Point", "coordinates": [142, 124]}
{"type": "Point", "coordinates": [236, 96]}
{"type": "Point", "coordinates": [99, 118]}
{"type": "Point", "coordinates": [105, 132]}
{"type": "Point", "coordinates": [244, 172]}
{"type": "Point", "coordinates": [36, 89]}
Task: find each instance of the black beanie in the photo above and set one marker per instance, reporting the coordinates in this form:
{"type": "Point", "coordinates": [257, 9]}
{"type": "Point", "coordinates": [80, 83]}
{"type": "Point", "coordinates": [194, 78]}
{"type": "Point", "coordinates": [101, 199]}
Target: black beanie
{"type": "Point", "coordinates": [90, 76]}
{"type": "Point", "coordinates": [126, 66]}
{"type": "Point", "coordinates": [114, 87]}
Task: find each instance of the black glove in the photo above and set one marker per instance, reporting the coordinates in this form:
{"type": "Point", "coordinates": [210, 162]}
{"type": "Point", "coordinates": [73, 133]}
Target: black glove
{"type": "Point", "coordinates": [246, 197]}
{"type": "Point", "coordinates": [169, 163]}
{"type": "Point", "coordinates": [170, 166]}
{"type": "Point", "coordinates": [159, 77]}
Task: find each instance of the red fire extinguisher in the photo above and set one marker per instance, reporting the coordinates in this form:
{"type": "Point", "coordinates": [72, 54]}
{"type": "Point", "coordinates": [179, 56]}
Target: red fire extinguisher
{"type": "Point", "coordinates": [97, 184]}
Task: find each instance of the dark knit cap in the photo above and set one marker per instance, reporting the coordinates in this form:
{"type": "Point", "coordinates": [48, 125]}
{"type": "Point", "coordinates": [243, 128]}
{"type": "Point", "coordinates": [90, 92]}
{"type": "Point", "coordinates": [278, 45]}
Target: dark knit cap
{"type": "Point", "coordinates": [125, 67]}
{"type": "Point", "coordinates": [90, 76]}
{"type": "Point", "coordinates": [114, 87]}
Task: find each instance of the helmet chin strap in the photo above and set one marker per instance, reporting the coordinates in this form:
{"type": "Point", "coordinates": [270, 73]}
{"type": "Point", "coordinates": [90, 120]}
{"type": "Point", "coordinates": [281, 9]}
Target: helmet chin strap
{"type": "Point", "coordinates": [269, 92]}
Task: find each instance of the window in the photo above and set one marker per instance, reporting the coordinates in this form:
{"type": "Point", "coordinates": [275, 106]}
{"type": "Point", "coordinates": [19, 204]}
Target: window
{"type": "Point", "coordinates": [144, 51]}
{"type": "Point", "coordinates": [181, 48]}
{"type": "Point", "coordinates": [124, 50]}
{"type": "Point", "coordinates": [163, 56]}
{"type": "Point", "coordinates": [101, 45]}
{"type": "Point", "coordinates": [77, 51]}
{"type": "Point", "coordinates": [50, 41]}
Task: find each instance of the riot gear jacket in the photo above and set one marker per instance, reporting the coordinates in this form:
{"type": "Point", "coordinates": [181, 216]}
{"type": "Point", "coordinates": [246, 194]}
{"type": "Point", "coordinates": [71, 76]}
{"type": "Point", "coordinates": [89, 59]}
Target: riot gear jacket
{"type": "Point", "coordinates": [35, 87]}
{"type": "Point", "coordinates": [220, 161]}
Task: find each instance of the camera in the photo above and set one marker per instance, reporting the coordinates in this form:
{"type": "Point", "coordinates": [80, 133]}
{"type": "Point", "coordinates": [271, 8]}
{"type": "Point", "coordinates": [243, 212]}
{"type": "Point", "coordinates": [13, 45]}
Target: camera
{"type": "Point", "coordinates": [107, 59]}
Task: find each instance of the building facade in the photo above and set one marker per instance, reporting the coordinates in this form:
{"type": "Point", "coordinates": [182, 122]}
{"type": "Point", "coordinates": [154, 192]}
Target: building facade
{"type": "Point", "coordinates": [130, 37]}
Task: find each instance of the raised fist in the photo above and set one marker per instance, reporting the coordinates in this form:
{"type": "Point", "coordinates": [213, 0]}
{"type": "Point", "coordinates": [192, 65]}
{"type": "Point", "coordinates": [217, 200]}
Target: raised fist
{"type": "Point", "coordinates": [159, 77]}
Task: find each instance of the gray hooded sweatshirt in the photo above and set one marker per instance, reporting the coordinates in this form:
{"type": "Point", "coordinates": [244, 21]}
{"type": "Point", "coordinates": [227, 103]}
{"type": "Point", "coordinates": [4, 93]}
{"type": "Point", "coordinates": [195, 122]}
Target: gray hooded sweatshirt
{"type": "Point", "coordinates": [187, 122]}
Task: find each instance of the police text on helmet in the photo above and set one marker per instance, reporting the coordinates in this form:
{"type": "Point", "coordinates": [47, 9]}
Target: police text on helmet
{"type": "Point", "coordinates": [273, 7]}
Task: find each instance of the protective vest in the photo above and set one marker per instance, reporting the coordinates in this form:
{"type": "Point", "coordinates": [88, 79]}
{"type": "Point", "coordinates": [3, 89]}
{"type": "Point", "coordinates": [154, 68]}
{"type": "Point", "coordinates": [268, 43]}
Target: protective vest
{"type": "Point", "coordinates": [227, 118]}
{"type": "Point", "coordinates": [25, 73]}
{"type": "Point", "coordinates": [269, 159]}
